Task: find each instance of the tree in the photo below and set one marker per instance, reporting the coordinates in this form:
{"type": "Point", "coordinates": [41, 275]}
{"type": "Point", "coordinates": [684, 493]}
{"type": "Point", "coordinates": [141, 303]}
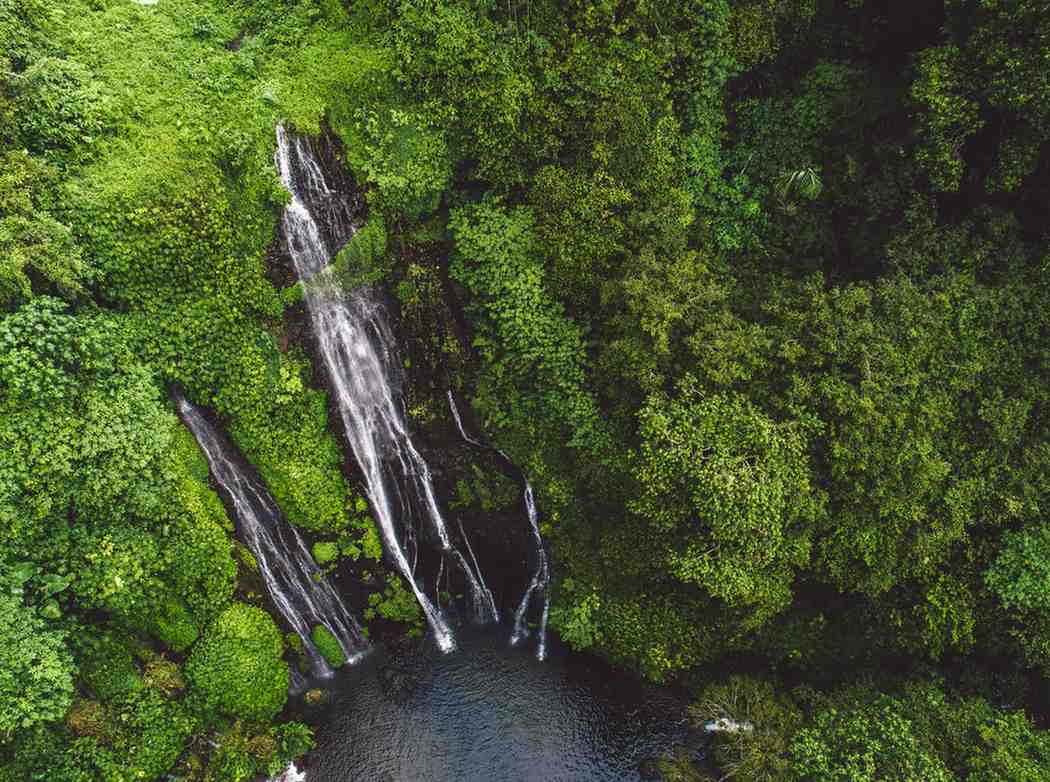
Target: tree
{"type": "Point", "coordinates": [873, 741]}
{"type": "Point", "coordinates": [727, 492]}
{"type": "Point", "coordinates": [991, 72]}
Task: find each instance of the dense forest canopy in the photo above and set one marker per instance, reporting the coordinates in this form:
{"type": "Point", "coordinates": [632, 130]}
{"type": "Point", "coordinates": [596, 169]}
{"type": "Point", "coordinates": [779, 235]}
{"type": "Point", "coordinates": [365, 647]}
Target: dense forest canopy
{"type": "Point", "coordinates": [757, 295]}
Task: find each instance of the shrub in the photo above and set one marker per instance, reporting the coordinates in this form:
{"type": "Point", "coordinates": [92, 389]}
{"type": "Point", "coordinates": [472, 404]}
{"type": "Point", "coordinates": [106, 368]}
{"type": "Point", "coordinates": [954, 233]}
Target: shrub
{"type": "Point", "coordinates": [1021, 572]}
{"type": "Point", "coordinates": [362, 260]}
{"type": "Point", "coordinates": [865, 742]}
{"type": "Point", "coordinates": [148, 733]}
{"type": "Point", "coordinates": [61, 105]}
{"type": "Point", "coordinates": [328, 645]}
{"type": "Point", "coordinates": [237, 665]}
{"type": "Point", "coordinates": [397, 604]}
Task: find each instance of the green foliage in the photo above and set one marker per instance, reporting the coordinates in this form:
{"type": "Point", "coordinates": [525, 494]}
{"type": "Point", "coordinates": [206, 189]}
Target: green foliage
{"type": "Point", "coordinates": [1020, 573]}
{"type": "Point", "coordinates": [241, 755]}
{"type": "Point", "coordinates": [397, 604]}
{"type": "Point", "coordinates": [237, 665]}
{"type": "Point", "coordinates": [362, 261]}
{"type": "Point", "coordinates": [765, 722]}
{"type": "Point", "coordinates": [487, 490]}
{"type": "Point", "coordinates": [523, 332]}
{"type": "Point", "coordinates": [134, 738]}
{"type": "Point", "coordinates": [404, 155]}
{"type": "Point", "coordinates": [871, 743]}
{"type": "Point", "coordinates": [732, 489]}
{"type": "Point", "coordinates": [325, 552]}
{"type": "Point", "coordinates": [328, 645]}
{"type": "Point", "coordinates": [169, 620]}
{"type": "Point", "coordinates": [147, 733]}
{"type": "Point", "coordinates": [60, 106]}
{"type": "Point", "coordinates": [991, 71]}
{"type": "Point", "coordinates": [918, 734]}
{"type": "Point", "coordinates": [574, 614]}
{"type": "Point", "coordinates": [363, 538]}
{"type": "Point", "coordinates": [951, 115]}
{"type": "Point", "coordinates": [36, 669]}
{"type": "Point", "coordinates": [137, 201]}
{"type": "Point", "coordinates": [33, 244]}
{"type": "Point", "coordinates": [656, 633]}
{"type": "Point", "coordinates": [758, 298]}
{"type": "Point", "coordinates": [107, 668]}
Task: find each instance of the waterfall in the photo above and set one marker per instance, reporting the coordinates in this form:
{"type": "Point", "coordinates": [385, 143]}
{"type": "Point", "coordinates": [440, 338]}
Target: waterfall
{"type": "Point", "coordinates": [540, 580]}
{"type": "Point", "coordinates": [296, 584]}
{"type": "Point", "coordinates": [355, 343]}
{"type": "Point", "coordinates": [538, 584]}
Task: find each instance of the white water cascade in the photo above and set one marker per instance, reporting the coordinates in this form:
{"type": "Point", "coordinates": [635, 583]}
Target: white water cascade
{"type": "Point", "coordinates": [290, 774]}
{"type": "Point", "coordinates": [539, 583]}
{"type": "Point", "coordinates": [540, 580]}
{"type": "Point", "coordinates": [356, 346]}
{"type": "Point", "coordinates": [295, 583]}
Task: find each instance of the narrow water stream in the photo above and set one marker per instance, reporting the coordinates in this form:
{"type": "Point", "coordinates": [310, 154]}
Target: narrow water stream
{"type": "Point", "coordinates": [298, 588]}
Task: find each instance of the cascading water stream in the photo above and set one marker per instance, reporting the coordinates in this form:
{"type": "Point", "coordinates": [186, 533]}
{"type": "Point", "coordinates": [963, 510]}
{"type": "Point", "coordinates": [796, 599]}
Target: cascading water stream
{"type": "Point", "coordinates": [295, 583]}
{"type": "Point", "coordinates": [459, 421]}
{"type": "Point", "coordinates": [355, 344]}
{"type": "Point", "coordinates": [540, 580]}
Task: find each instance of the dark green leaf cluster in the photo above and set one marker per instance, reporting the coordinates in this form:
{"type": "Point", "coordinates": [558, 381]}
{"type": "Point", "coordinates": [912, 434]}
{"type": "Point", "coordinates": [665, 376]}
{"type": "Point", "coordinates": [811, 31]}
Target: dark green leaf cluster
{"type": "Point", "coordinates": [237, 665]}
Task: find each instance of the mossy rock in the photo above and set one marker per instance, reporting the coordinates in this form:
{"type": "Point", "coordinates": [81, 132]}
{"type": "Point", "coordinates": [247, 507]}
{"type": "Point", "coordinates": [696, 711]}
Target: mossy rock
{"type": "Point", "coordinates": [325, 552]}
{"type": "Point", "coordinates": [328, 645]}
{"type": "Point", "coordinates": [315, 696]}
{"type": "Point", "coordinates": [164, 676]}
{"type": "Point", "coordinates": [108, 669]}
{"type": "Point", "coordinates": [87, 718]}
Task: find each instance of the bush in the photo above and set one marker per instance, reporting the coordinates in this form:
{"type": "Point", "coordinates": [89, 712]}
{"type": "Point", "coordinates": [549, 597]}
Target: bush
{"type": "Point", "coordinates": [1021, 572]}
{"type": "Point", "coordinates": [237, 665]}
{"type": "Point", "coordinates": [328, 645]}
{"type": "Point", "coordinates": [61, 106]}
{"type": "Point", "coordinates": [865, 742]}
{"type": "Point", "coordinates": [397, 604]}
{"type": "Point", "coordinates": [147, 734]}
{"type": "Point", "coordinates": [362, 261]}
